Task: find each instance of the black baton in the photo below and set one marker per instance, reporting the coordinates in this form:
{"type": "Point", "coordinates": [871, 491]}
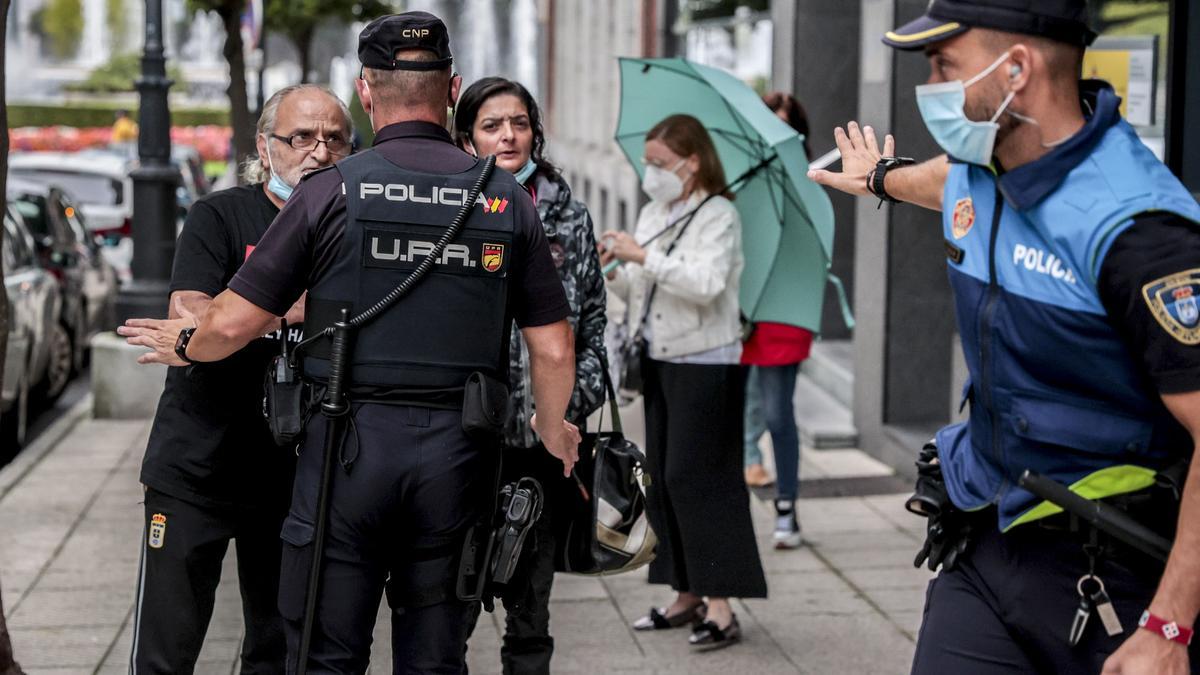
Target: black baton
{"type": "Point", "coordinates": [334, 407]}
{"type": "Point", "coordinates": [1112, 521]}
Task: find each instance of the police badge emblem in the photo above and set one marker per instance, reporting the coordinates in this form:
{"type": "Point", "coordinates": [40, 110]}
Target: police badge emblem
{"type": "Point", "coordinates": [963, 218]}
{"type": "Point", "coordinates": [493, 257]}
{"type": "Point", "coordinates": [158, 531]}
{"type": "Point", "coordinates": [1172, 300]}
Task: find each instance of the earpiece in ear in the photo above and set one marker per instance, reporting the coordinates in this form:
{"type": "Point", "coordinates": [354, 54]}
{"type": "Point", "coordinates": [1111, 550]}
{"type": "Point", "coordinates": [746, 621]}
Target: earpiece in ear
{"type": "Point", "coordinates": [1014, 71]}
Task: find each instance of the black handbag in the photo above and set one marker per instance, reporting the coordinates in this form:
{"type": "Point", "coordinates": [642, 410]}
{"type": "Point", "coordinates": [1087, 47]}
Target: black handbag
{"type": "Point", "coordinates": [602, 526]}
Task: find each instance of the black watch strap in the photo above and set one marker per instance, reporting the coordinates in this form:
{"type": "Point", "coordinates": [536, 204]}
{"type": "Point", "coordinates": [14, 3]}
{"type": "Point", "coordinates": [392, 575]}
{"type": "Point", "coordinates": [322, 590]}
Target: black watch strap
{"type": "Point", "coordinates": [181, 344]}
{"type": "Point", "coordinates": [875, 179]}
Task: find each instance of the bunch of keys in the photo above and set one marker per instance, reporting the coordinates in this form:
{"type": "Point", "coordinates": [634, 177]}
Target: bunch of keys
{"type": "Point", "coordinates": [1097, 601]}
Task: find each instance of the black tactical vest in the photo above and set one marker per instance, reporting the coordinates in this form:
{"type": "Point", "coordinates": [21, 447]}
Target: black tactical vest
{"type": "Point", "coordinates": [452, 322]}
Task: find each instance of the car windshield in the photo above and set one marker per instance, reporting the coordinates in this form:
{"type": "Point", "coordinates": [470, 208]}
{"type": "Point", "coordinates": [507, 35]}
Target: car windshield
{"type": "Point", "coordinates": [85, 188]}
{"type": "Point", "coordinates": [33, 210]}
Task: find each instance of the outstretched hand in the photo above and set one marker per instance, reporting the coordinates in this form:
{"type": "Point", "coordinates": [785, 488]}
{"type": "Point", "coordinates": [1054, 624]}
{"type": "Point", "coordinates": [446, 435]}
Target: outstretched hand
{"type": "Point", "coordinates": [159, 335]}
{"type": "Point", "coordinates": [860, 154]}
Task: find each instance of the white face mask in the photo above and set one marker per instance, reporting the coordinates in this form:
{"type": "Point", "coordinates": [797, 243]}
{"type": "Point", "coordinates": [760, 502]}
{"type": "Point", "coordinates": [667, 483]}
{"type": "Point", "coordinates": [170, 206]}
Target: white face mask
{"type": "Point", "coordinates": [662, 185]}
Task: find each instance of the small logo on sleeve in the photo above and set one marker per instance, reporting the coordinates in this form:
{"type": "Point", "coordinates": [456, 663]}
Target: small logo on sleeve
{"type": "Point", "coordinates": [1172, 301]}
{"type": "Point", "coordinates": [158, 531]}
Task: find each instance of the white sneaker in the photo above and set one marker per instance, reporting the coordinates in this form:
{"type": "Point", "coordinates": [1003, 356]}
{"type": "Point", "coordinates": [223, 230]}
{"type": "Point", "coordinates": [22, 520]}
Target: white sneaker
{"type": "Point", "coordinates": [787, 532]}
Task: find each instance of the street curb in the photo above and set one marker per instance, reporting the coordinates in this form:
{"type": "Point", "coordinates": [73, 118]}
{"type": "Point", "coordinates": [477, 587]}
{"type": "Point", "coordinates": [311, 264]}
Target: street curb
{"type": "Point", "coordinates": [29, 458]}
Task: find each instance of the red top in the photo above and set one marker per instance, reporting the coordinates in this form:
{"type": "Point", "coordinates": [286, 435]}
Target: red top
{"type": "Point", "coordinates": [776, 344]}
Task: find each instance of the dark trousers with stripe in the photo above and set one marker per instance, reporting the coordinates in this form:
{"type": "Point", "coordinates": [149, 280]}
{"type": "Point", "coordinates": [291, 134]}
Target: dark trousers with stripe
{"type": "Point", "coordinates": [1007, 608]}
{"type": "Point", "coordinates": [177, 584]}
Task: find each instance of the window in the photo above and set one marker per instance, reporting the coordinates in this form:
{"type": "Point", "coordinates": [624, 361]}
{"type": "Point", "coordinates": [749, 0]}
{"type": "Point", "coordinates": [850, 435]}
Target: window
{"type": "Point", "coordinates": [87, 188]}
{"type": "Point", "coordinates": [1131, 54]}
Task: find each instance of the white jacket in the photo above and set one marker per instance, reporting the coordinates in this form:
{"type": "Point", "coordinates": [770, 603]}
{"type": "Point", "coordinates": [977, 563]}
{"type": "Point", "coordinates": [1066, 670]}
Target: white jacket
{"type": "Point", "coordinates": [695, 306]}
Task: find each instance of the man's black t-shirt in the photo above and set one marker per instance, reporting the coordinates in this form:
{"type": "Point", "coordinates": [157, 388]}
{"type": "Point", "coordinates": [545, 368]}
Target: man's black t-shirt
{"type": "Point", "coordinates": [1156, 248]}
{"type": "Point", "coordinates": [210, 444]}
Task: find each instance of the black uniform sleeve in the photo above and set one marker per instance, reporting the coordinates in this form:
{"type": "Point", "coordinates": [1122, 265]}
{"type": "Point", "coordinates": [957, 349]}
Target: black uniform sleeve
{"type": "Point", "coordinates": [202, 253]}
{"type": "Point", "coordinates": [1150, 286]}
{"type": "Point", "coordinates": [278, 271]}
{"type": "Point", "coordinates": [537, 293]}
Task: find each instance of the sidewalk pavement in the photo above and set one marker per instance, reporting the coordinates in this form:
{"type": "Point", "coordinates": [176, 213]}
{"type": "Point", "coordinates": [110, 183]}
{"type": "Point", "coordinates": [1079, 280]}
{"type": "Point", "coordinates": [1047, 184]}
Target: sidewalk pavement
{"type": "Point", "coordinates": [849, 602]}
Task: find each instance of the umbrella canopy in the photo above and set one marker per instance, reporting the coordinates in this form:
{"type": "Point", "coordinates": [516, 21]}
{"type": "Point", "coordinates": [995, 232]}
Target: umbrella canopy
{"type": "Point", "coordinates": [787, 220]}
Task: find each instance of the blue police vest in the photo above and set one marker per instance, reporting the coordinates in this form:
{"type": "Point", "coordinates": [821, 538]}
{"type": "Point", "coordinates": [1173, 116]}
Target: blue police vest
{"type": "Point", "coordinates": [1052, 386]}
{"type": "Point", "coordinates": [453, 322]}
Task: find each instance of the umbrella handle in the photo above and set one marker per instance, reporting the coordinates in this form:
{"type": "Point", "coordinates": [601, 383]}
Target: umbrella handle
{"type": "Point", "coordinates": [610, 267]}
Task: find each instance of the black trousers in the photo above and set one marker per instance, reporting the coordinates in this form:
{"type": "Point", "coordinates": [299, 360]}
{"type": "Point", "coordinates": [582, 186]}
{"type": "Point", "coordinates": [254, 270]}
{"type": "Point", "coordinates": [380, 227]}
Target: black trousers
{"type": "Point", "coordinates": [397, 518]}
{"type": "Point", "coordinates": [1008, 607]}
{"type": "Point", "coordinates": [182, 550]}
{"type": "Point", "coordinates": [528, 647]}
{"type": "Point", "coordinates": [697, 499]}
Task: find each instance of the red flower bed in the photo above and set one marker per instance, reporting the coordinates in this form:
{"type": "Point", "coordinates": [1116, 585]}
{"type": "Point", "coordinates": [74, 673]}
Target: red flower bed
{"type": "Point", "coordinates": [212, 142]}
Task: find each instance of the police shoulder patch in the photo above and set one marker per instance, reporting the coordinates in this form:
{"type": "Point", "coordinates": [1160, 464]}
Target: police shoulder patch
{"type": "Point", "coordinates": [1173, 301]}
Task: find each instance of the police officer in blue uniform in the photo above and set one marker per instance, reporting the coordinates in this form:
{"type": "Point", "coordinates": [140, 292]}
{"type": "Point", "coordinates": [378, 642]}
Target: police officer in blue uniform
{"type": "Point", "coordinates": [1074, 257]}
{"type": "Point", "coordinates": [408, 480]}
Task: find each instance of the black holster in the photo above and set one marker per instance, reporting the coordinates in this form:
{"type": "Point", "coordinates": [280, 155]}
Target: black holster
{"type": "Point", "coordinates": [948, 534]}
{"type": "Point", "coordinates": [485, 407]}
{"type": "Point", "coordinates": [284, 402]}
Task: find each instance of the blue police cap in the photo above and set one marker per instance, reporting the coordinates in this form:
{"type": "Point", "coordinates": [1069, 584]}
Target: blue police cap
{"type": "Point", "coordinates": [1059, 20]}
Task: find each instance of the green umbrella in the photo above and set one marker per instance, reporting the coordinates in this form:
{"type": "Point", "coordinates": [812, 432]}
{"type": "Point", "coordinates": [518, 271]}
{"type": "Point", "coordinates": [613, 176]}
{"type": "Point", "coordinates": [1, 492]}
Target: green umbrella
{"type": "Point", "coordinates": [787, 220]}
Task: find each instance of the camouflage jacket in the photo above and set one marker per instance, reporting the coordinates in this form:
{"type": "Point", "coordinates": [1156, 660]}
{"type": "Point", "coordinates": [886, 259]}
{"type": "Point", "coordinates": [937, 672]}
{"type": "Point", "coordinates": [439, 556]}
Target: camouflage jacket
{"type": "Point", "coordinates": [568, 228]}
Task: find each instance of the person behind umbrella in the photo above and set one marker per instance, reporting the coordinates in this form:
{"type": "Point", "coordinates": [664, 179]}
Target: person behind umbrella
{"type": "Point", "coordinates": [774, 353]}
{"type": "Point", "coordinates": [499, 117]}
{"type": "Point", "coordinates": [682, 294]}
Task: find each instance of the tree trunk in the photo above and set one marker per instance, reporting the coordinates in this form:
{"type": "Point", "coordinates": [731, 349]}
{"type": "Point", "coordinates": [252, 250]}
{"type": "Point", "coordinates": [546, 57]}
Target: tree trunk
{"type": "Point", "coordinates": [8, 665]}
{"type": "Point", "coordinates": [304, 45]}
{"type": "Point", "coordinates": [239, 107]}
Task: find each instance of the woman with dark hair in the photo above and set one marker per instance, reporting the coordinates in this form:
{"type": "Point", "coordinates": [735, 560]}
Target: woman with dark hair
{"type": "Point", "coordinates": [682, 294]}
{"type": "Point", "coordinates": [499, 117]}
{"type": "Point", "coordinates": [774, 353]}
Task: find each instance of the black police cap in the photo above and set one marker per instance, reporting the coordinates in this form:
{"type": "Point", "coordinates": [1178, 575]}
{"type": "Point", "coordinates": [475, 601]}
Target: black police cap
{"type": "Point", "coordinates": [383, 37]}
{"type": "Point", "coordinates": [1059, 20]}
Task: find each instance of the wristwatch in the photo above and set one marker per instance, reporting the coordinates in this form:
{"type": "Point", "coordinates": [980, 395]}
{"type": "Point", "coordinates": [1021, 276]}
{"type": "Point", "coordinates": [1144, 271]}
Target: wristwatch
{"type": "Point", "coordinates": [181, 343]}
{"type": "Point", "coordinates": [875, 178]}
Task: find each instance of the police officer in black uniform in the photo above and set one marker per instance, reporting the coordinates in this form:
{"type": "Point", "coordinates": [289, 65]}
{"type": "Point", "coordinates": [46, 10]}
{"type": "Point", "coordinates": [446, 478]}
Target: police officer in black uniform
{"type": "Point", "coordinates": [1074, 256]}
{"type": "Point", "coordinates": [408, 480]}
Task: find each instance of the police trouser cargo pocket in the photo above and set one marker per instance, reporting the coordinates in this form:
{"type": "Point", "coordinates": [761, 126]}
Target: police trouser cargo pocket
{"type": "Point", "coordinates": [422, 583]}
{"type": "Point", "coordinates": [295, 562]}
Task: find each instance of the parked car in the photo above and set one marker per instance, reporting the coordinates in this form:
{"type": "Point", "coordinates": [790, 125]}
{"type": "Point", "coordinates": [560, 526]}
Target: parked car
{"type": "Point", "coordinates": [34, 305]}
{"type": "Point", "coordinates": [99, 182]}
{"type": "Point", "coordinates": [73, 255]}
{"type": "Point", "coordinates": [191, 170]}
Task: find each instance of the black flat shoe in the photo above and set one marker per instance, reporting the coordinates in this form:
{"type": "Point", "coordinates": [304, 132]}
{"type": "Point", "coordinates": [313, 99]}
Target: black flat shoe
{"type": "Point", "coordinates": [657, 619]}
{"type": "Point", "coordinates": [708, 636]}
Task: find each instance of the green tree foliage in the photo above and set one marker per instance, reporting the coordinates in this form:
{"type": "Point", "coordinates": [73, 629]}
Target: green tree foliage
{"type": "Point", "coordinates": [114, 21]}
{"type": "Point", "coordinates": [298, 20]}
{"type": "Point", "coordinates": [118, 75]}
{"type": "Point", "coordinates": [62, 24]}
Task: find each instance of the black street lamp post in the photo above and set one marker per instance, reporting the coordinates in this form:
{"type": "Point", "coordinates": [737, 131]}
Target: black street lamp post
{"type": "Point", "coordinates": [155, 209]}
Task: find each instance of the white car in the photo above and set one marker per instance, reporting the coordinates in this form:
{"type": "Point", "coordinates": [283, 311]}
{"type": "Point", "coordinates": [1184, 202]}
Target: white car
{"type": "Point", "coordinates": [99, 183]}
